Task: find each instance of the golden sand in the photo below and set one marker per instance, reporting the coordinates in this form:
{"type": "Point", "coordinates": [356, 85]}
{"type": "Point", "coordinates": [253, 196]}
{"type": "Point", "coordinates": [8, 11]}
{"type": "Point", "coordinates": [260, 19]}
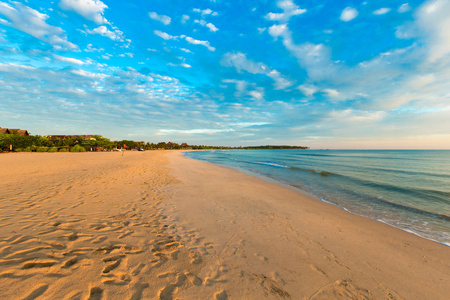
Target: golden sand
{"type": "Point", "coordinates": [156, 225]}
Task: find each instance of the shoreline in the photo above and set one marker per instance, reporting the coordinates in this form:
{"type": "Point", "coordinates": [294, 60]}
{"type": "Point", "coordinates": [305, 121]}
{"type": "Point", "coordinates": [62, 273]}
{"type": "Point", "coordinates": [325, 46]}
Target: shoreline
{"type": "Point", "coordinates": [158, 225]}
{"type": "Point", "coordinates": [336, 242]}
{"type": "Point", "coordinates": [312, 196]}
{"type": "Point", "coordinates": [329, 202]}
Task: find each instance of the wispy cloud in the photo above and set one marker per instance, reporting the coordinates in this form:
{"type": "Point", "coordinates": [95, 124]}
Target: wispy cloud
{"type": "Point", "coordinates": [89, 74]}
{"type": "Point", "coordinates": [90, 9]}
{"type": "Point", "coordinates": [199, 42]}
{"type": "Point", "coordinates": [161, 18]}
{"type": "Point", "coordinates": [314, 57]}
{"type": "Point", "coordinates": [381, 11]}
{"type": "Point", "coordinates": [210, 26]}
{"type": "Point", "coordinates": [32, 22]}
{"type": "Point", "coordinates": [192, 131]}
{"type": "Point", "coordinates": [68, 59]}
{"type": "Point", "coordinates": [241, 62]}
{"type": "Point", "coordinates": [348, 14]}
{"type": "Point", "coordinates": [104, 31]}
{"type": "Point", "coordinates": [289, 10]}
{"type": "Point", "coordinates": [185, 18]}
{"type": "Point", "coordinates": [205, 12]}
{"type": "Point", "coordinates": [404, 8]}
{"type": "Point", "coordinates": [164, 35]}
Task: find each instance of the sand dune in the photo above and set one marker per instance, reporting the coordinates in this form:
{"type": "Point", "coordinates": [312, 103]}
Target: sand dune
{"type": "Point", "coordinates": [155, 225]}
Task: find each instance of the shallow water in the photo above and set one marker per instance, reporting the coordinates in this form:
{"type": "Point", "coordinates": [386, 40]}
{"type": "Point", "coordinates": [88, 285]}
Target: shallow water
{"type": "Point", "coordinates": [408, 189]}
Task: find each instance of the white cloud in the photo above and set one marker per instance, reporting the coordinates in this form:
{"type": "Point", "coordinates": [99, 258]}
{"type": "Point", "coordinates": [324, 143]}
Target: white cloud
{"type": "Point", "coordinates": [199, 42]}
{"type": "Point", "coordinates": [90, 48]}
{"type": "Point", "coordinates": [278, 30]}
{"type": "Point", "coordinates": [241, 85]}
{"type": "Point", "coordinates": [358, 116]}
{"type": "Point", "coordinates": [185, 50]}
{"type": "Point", "coordinates": [212, 27]}
{"type": "Point", "coordinates": [164, 35]}
{"type": "Point", "coordinates": [107, 56]}
{"type": "Point", "coordinates": [243, 88]}
{"type": "Point", "coordinates": [314, 57]}
{"type": "Point", "coordinates": [308, 89]}
{"type": "Point", "coordinates": [289, 10]}
{"type": "Point", "coordinates": [205, 12]}
{"type": "Point", "coordinates": [183, 65]}
{"type": "Point", "coordinates": [332, 93]}
{"type": "Point", "coordinates": [185, 18]}
{"type": "Point", "coordinates": [241, 62]}
{"type": "Point", "coordinates": [32, 22]}
{"type": "Point", "coordinates": [161, 18]}
{"type": "Point", "coordinates": [257, 95]}
{"type": "Point", "coordinates": [434, 21]}
{"type": "Point", "coordinates": [421, 81]}
{"type": "Point", "coordinates": [192, 131]}
{"type": "Point", "coordinates": [348, 14]}
{"type": "Point", "coordinates": [12, 66]}
{"type": "Point", "coordinates": [431, 25]}
{"type": "Point", "coordinates": [84, 73]}
{"type": "Point", "coordinates": [89, 9]}
{"type": "Point", "coordinates": [68, 59]}
{"type": "Point", "coordinates": [104, 31]}
{"type": "Point", "coordinates": [201, 22]}
{"type": "Point", "coordinates": [381, 11]}
{"type": "Point", "coordinates": [209, 25]}
{"type": "Point", "coordinates": [280, 82]}
{"type": "Point", "coordinates": [404, 8]}
{"type": "Point", "coordinates": [127, 54]}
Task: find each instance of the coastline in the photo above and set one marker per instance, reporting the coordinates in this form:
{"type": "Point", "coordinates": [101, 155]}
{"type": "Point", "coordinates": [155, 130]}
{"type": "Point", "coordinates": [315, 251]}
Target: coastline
{"type": "Point", "coordinates": [295, 238]}
{"type": "Point", "coordinates": [158, 225]}
{"type": "Point", "coordinates": [360, 187]}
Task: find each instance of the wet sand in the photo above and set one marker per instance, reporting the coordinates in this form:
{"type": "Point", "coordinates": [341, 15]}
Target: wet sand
{"type": "Point", "coordinates": [156, 225]}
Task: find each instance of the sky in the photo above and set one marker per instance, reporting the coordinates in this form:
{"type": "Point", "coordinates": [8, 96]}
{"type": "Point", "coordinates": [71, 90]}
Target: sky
{"type": "Point", "coordinates": [325, 74]}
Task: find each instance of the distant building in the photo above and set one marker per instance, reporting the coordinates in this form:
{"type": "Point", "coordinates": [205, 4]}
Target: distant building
{"type": "Point", "coordinates": [14, 131]}
{"type": "Point", "coordinates": [4, 130]}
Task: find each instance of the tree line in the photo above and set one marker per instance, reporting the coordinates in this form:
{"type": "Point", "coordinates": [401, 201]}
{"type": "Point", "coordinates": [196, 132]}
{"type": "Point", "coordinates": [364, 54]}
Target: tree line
{"type": "Point", "coordinates": [36, 143]}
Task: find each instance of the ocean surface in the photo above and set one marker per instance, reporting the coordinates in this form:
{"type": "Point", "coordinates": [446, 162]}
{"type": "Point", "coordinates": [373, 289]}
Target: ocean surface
{"type": "Point", "coordinates": [407, 189]}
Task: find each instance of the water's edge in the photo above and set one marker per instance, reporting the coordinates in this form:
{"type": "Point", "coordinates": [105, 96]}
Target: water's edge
{"type": "Point", "coordinates": [309, 194]}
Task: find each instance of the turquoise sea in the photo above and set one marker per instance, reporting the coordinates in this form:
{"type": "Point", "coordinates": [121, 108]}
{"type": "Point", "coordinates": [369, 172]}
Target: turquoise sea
{"type": "Point", "coordinates": [407, 189]}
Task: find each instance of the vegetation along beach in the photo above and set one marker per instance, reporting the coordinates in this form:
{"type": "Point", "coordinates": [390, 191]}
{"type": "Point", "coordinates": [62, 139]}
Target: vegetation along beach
{"type": "Point", "coordinates": [212, 149]}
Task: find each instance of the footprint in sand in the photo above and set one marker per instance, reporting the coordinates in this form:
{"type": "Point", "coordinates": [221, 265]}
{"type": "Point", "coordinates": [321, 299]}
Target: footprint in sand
{"type": "Point", "coordinates": [341, 289]}
{"type": "Point", "coordinates": [36, 292]}
{"type": "Point", "coordinates": [221, 295]}
{"type": "Point", "coordinates": [138, 288]}
{"type": "Point", "coordinates": [95, 293]}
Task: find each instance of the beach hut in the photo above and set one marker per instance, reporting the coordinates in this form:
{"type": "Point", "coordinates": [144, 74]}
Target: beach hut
{"type": "Point", "coordinates": [4, 131]}
{"type": "Point", "coordinates": [14, 131]}
{"type": "Point", "coordinates": [19, 132]}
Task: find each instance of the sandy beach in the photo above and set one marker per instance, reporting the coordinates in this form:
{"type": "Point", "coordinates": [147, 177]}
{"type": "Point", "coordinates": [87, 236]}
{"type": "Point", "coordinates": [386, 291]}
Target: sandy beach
{"type": "Point", "coordinates": [157, 225]}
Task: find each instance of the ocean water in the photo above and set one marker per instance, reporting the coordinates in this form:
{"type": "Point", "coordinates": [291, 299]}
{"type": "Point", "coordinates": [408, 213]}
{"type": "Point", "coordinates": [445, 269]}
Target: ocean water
{"type": "Point", "coordinates": [407, 189]}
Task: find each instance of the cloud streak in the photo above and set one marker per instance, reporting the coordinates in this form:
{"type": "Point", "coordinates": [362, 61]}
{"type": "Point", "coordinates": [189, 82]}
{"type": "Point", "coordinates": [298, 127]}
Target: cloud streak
{"type": "Point", "coordinates": [160, 18]}
{"type": "Point", "coordinates": [90, 9]}
{"type": "Point", "coordinates": [32, 22]}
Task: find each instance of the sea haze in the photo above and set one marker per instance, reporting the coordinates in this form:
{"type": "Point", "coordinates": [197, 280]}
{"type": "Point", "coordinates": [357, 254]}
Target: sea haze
{"type": "Point", "coordinates": [408, 189]}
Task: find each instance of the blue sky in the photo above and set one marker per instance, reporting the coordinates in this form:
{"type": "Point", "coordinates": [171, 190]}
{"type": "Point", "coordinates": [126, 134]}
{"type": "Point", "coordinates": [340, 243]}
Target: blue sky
{"type": "Point", "coordinates": [326, 74]}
